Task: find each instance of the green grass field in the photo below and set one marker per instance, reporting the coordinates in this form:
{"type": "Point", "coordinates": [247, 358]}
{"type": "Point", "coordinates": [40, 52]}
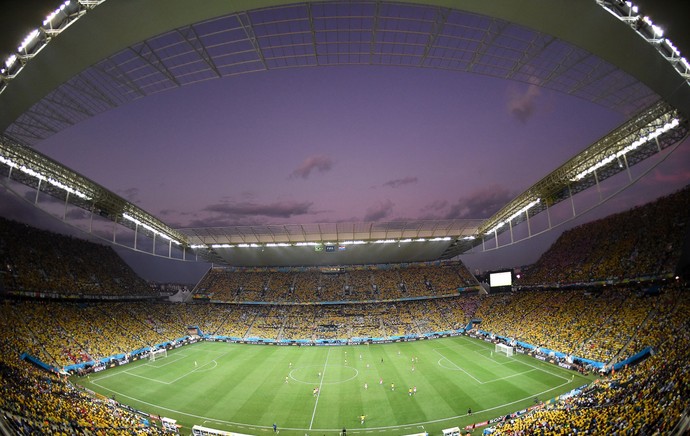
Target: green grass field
{"type": "Point", "coordinates": [243, 388]}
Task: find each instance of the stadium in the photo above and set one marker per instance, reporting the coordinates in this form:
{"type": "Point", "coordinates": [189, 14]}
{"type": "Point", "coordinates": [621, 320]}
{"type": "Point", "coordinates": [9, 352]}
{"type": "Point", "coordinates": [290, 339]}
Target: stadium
{"type": "Point", "coordinates": [359, 325]}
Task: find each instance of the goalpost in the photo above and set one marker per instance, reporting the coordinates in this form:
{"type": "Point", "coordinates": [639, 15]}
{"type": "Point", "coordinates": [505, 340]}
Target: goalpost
{"type": "Point", "coordinates": [505, 349]}
{"type": "Point", "coordinates": [157, 354]}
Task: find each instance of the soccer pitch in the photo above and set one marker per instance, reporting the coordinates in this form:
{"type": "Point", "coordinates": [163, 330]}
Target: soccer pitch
{"type": "Point", "coordinates": [321, 390]}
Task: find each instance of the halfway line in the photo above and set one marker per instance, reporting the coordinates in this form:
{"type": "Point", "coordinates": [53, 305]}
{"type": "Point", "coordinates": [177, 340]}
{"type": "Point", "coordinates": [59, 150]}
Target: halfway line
{"type": "Point", "coordinates": [323, 374]}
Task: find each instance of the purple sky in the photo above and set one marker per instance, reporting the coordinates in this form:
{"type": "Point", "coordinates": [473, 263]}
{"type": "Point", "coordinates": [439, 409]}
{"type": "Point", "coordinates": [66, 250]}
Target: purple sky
{"type": "Point", "coordinates": [330, 144]}
{"type": "Point", "coordinates": [345, 144]}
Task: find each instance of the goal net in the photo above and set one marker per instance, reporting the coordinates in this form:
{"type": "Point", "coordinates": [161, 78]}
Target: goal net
{"type": "Point", "coordinates": [157, 354]}
{"type": "Point", "coordinates": [505, 349]}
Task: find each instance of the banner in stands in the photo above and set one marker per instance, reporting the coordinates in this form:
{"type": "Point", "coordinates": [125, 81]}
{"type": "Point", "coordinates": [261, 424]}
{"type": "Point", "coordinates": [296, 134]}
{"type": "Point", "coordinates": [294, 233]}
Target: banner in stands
{"type": "Point", "coordinates": [328, 303]}
{"type": "Point", "coordinates": [331, 342]}
{"type": "Point", "coordinates": [634, 358]}
{"type": "Point", "coordinates": [58, 296]}
{"type": "Point", "coordinates": [542, 353]}
{"type": "Point", "coordinates": [120, 359]}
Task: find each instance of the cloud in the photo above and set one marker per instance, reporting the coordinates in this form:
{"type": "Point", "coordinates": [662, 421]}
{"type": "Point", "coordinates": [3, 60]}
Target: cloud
{"type": "Point", "coordinates": [131, 194]}
{"type": "Point", "coordinates": [480, 204]}
{"type": "Point", "coordinates": [318, 163]}
{"type": "Point", "coordinates": [433, 210]}
{"type": "Point", "coordinates": [248, 213]}
{"type": "Point", "coordinates": [223, 221]}
{"type": "Point", "coordinates": [521, 105]}
{"type": "Point", "coordinates": [238, 213]}
{"type": "Point", "coordinates": [379, 211]}
{"type": "Point", "coordinates": [396, 183]}
{"type": "Point", "coordinates": [284, 209]}
{"type": "Point", "coordinates": [435, 205]}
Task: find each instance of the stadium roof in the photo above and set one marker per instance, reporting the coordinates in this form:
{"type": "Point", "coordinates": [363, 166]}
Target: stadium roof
{"type": "Point", "coordinates": [50, 86]}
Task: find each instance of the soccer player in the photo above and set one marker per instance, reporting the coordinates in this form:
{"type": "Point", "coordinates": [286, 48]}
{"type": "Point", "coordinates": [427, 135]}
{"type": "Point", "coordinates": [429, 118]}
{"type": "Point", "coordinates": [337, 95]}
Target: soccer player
{"type": "Point", "coordinates": [195, 365]}
{"type": "Point", "coordinates": [469, 411]}
{"type": "Point", "coordinates": [275, 428]}
{"type": "Point", "coordinates": [392, 386]}
{"type": "Point", "coordinates": [409, 392]}
{"type": "Point", "coordinates": [286, 379]}
{"type": "Point", "coordinates": [366, 386]}
{"type": "Point", "coordinates": [361, 418]}
{"type": "Point", "coordinates": [315, 391]}
{"type": "Point", "coordinates": [414, 390]}
{"type": "Point", "coordinates": [380, 381]}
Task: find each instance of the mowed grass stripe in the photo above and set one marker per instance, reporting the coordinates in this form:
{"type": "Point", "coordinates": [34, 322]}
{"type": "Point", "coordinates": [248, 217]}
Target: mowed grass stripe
{"type": "Point", "coordinates": [260, 395]}
{"type": "Point", "coordinates": [242, 387]}
{"type": "Point", "coordinates": [439, 393]}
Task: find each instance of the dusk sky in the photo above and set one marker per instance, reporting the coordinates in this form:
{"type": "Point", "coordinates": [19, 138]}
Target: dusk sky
{"type": "Point", "coordinates": [330, 144]}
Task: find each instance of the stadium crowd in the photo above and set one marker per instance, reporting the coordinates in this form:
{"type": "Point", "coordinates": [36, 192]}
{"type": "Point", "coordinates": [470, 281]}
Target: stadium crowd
{"type": "Point", "coordinates": [36, 260]}
{"type": "Point", "coordinates": [602, 324]}
{"type": "Point", "coordinates": [299, 286]}
{"type": "Point", "coordinates": [38, 402]}
{"type": "Point", "coordinates": [66, 333]}
{"type": "Point", "coordinates": [607, 323]}
{"type": "Point", "coordinates": [644, 241]}
{"type": "Point", "coordinates": [647, 398]}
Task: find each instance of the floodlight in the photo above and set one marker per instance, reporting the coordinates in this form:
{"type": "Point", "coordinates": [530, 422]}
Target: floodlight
{"type": "Point", "coordinates": [10, 61]}
{"type": "Point", "coordinates": [7, 162]}
{"type": "Point", "coordinates": [635, 144]}
{"type": "Point", "coordinates": [52, 15]}
{"type": "Point", "coordinates": [28, 41]}
{"type": "Point", "coordinates": [148, 227]}
{"type": "Point", "coordinates": [674, 50]}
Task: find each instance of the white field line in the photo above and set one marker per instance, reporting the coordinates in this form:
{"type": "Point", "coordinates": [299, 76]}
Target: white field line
{"type": "Point", "coordinates": [269, 428]}
{"type": "Point", "coordinates": [453, 363]}
{"type": "Point", "coordinates": [520, 361]}
{"type": "Point", "coordinates": [198, 368]}
{"type": "Point", "coordinates": [323, 374]}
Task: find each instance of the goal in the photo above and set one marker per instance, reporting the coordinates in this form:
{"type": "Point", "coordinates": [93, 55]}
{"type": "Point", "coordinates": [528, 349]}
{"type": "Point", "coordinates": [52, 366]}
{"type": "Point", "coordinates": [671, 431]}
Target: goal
{"type": "Point", "coordinates": [503, 348]}
{"type": "Point", "coordinates": [157, 354]}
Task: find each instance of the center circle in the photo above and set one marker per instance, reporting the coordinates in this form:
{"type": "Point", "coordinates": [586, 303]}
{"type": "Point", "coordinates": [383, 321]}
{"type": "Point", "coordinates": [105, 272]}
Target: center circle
{"type": "Point", "coordinates": [326, 375]}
